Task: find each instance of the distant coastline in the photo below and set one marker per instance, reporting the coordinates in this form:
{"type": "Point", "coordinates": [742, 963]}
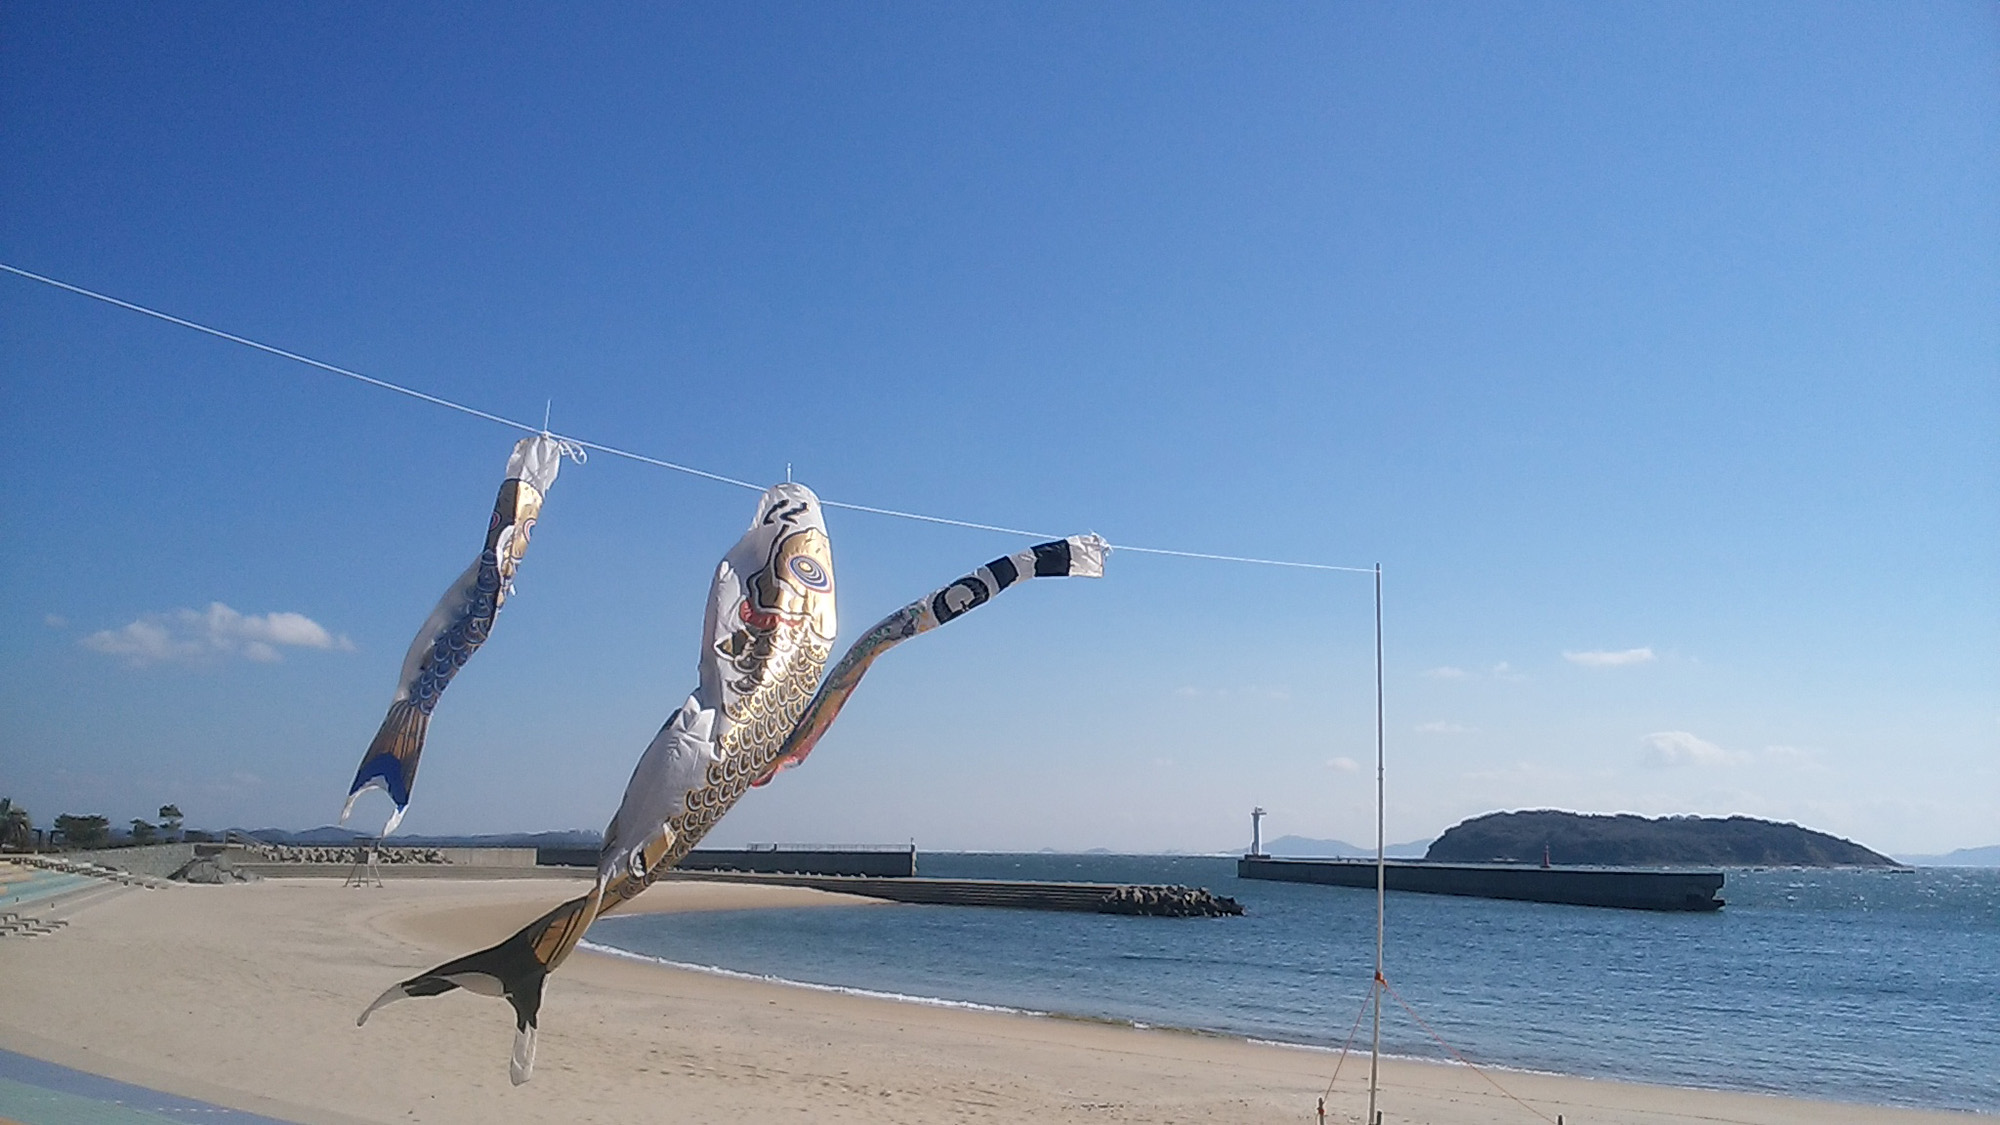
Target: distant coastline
{"type": "Point", "coordinates": [1988, 856]}
{"type": "Point", "coordinates": [1755, 843]}
{"type": "Point", "coordinates": [1307, 847]}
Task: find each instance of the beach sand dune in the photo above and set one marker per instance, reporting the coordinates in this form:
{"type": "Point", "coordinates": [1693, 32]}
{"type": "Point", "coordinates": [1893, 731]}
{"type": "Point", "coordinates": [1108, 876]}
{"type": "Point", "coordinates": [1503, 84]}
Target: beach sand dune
{"type": "Point", "coordinates": [246, 996]}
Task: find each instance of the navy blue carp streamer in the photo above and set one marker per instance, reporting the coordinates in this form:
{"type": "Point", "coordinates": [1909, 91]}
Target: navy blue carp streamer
{"type": "Point", "coordinates": [768, 634]}
{"type": "Point", "coordinates": [455, 629]}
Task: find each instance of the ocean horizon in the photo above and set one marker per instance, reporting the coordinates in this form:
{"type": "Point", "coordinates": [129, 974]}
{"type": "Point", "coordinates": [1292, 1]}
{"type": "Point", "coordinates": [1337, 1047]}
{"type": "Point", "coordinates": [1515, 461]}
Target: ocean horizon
{"type": "Point", "coordinates": [1865, 986]}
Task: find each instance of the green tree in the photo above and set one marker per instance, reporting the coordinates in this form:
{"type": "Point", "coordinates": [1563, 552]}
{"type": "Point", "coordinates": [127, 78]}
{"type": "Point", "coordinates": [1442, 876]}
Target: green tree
{"type": "Point", "coordinates": [16, 829]}
{"type": "Point", "coordinates": [142, 832]}
{"type": "Point", "coordinates": [83, 831]}
{"type": "Point", "coordinates": [170, 821]}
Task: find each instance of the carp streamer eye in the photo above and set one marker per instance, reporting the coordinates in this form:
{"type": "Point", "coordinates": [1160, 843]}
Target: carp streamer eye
{"type": "Point", "coordinates": [810, 573]}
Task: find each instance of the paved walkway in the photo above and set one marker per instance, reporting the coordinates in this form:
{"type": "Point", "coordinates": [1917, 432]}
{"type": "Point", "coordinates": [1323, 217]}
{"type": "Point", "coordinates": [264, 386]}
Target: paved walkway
{"type": "Point", "coordinates": [33, 1092]}
{"type": "Point", "coordinates": [20, 886]}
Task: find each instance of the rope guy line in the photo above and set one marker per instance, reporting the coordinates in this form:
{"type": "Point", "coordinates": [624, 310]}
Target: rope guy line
{"type": "Point", "coordinates": [1476, 1069]}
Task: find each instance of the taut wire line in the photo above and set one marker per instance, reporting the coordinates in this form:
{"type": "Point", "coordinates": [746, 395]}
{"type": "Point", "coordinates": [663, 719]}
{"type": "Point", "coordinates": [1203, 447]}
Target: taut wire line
{"type": "Point", "coordinates": [943, 520]}
{"type": "Point", "coordinates": [612, 450]}
{"type": "Point", "coordinates": [248, 343]}
{"type": "Point", "coordinates": [1241, 559]}
{"type": "Point", "coordinates": [645, 460]}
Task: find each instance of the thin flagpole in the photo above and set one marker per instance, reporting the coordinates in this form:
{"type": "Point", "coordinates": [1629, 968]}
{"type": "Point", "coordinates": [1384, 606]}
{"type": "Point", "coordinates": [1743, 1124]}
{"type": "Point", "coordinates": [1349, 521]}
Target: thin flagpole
{"type": "Point", "coordinates": [1381, 865]}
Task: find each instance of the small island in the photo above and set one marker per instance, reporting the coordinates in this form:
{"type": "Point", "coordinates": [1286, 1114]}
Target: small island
{"type": "Point", "coordinates": [1544, 855]}
{"type": "Point", "coordinates": [1636, 841]}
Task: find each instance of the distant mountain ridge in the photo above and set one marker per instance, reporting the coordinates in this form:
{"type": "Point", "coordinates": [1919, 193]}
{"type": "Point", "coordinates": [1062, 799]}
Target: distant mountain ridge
{"type": "Point", "coordinates": [1630, 841]}
{"type": "Point", "coordinates": [1988, 856]}
{"type": "Point", "coordinates": [1306, 847]}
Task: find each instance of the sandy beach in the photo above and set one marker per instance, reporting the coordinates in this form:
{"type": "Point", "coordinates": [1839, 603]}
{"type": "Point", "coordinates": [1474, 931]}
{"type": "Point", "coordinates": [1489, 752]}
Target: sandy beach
{"type": "Point", "coordinates": [245, 996]}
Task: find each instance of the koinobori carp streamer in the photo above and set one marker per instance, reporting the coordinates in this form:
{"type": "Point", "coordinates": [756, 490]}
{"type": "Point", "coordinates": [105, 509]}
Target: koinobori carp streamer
{"type": "Point", "coordinates": [461, 622]}
{"type": "Point", "coordinates": [769, 630]}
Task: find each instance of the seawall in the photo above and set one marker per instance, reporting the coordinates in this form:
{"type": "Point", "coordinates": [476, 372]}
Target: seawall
{"type": "Point", "coordinates": [158, 860]}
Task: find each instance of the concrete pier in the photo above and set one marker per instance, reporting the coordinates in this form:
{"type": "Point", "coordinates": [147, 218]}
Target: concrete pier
{"type": "Point", "coordinates": [1622, 888]}
{"type": "Point", "coordinates": [1095, 898]}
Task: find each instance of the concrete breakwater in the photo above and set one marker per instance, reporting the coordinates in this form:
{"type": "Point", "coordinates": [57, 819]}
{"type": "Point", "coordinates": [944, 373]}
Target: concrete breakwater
{"type": "Point", "coordinates": [1097, 898]}
{"type": "Point", "coordinates": [879, 872]}
{"type": "Point", "coordinates": [1622, 888]}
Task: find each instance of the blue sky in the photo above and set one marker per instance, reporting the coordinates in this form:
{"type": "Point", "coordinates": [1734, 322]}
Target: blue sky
{"type": "Point", "coordinates": [1650, 348]}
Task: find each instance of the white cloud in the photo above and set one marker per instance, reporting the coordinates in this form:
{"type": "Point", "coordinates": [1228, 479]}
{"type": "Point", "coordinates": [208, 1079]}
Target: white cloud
{"type": "Point", "coordinates": [1441, 727]}
{"type": "Point", "coordinates": [1500, 671]}
{"type": "Point", "coordinates": [1679, 748]}
{"type": "Point", "coordinates": [1792, 755]}
{"type": "Point", "coordinates": [1344, 765]}
{"type": "Point", "coordinates": [1273, 694]}
{"type": "Point", "coordinates": [55, 620]}
{"type": "Point", "coordinates": [1611, 659]}
{"type": "Point", "coordinates": [189, 636]}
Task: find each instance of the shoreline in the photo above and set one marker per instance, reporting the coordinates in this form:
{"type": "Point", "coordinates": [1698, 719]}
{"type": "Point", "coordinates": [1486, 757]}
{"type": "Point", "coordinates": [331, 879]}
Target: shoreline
{"type": "Point", "coordinates": [602, 950]}
{"type": "Point", "coordinates": [245, 996]}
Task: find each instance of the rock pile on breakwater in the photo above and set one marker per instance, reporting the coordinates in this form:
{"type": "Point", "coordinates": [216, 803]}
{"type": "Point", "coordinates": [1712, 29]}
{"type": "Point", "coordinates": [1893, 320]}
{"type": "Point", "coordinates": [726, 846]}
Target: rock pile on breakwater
{"type": "Point", "coordinates": [1170, 902]}
{"type": "Point", "coordinates": [213, 870]}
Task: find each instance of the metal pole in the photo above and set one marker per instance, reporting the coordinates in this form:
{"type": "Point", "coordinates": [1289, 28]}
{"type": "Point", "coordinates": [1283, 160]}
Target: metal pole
{"type": "Point", "coordinates": [1381, 866]}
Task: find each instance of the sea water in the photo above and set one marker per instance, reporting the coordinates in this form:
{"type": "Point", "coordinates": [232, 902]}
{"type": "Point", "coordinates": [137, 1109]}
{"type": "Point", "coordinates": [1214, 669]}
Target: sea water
{"type": "Point", "coordinates": [1878, 987]}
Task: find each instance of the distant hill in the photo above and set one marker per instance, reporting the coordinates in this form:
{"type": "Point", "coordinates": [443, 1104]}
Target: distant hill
{"type": "Point", "coordinates": [1988, 856]}
{"type": "Point", "coordinates": [1305, 847]}
{"type": "Point", "coordinates": [1626, 841]}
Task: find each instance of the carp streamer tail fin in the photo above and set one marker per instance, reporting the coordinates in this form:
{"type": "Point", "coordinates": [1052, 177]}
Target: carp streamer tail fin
{"type": "Point", "coordinates": [516, 969]}
{"type": "Point", "coordinates": [391, 761]}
